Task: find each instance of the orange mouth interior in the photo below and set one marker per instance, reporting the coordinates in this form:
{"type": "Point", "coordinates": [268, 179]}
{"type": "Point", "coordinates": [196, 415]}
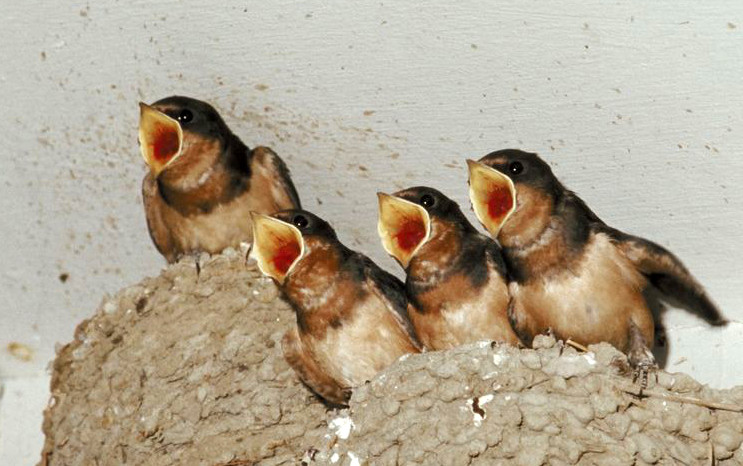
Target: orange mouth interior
{"type": "Point", "coordinates": [160, 138]}
{"type": "Point", "coordinates": [403, 227]}
{"type": "Point", "coordinates": [165, 143]}
{"type": "Point", "coordinates": [284, 256]}
{"type": "Point", "coordinates": [493, 196]}
{"type": "Point", "coordinates": [277, 246]}
{"type": "Point", "coordinates": [500, 203]}
{"type": "Point", "coordinates": [410, 233]}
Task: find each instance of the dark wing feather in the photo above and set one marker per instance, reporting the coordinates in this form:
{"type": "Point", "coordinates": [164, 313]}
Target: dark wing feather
{"type": "Point", "coordinates": [668, 274]}
{"type": "Point", "coordinates": [309, 372]}
{"type": "Point", "coordinates": [494, 253]}
{"type": "Point", "coordinates": [159, 231]}
{"type": "Point", "coordinates": [662, 269]}
{"type": "Point", "coordinates": [241, 164]}
{"type": "Point", "coordinates": [392, 290]}
{"type": "Point", "coordinates": [286, 179]}
{"type": "Point", "coordinates": [579, 205]}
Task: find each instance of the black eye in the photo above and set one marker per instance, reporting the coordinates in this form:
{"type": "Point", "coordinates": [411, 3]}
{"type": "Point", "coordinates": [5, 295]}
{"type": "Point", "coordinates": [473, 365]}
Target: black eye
{"type": "Point", "coordinates": [185, 116]}
{"type": "Point", "coordinates": [300, 221]}
{"type": "Point", "coordinates": [427, 200]}
{"type": "Point", "coordinates": [515, 168]}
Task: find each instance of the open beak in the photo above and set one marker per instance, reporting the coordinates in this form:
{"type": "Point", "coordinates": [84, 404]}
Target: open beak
{"type": "Point", "coordinates": [403, 227]}
{"type": "Point", "coordinates": [492, 194]}
{"type": "Point", "coordinates": [160, 138]}
{"type": "Point", "coordinates": [277, 246]}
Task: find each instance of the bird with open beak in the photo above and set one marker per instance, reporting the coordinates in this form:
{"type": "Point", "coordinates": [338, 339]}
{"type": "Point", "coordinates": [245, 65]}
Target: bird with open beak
{"type": "Point", "coordinates": [352, 316]}
{"type": "Point", "coordinates": [203, 181]}
{"type": "Point", "coordinates": [571, 273]}
{"type": "Point", "coordinates": [455, 276]}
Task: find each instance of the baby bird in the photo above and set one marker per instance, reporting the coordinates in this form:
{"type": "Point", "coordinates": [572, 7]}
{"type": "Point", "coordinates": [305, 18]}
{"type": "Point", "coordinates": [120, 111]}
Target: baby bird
{"type": "Point", "coordinates": [352, 318]}
{"type": "Point", "coordinates": [571, 273]}
{"type": "Point", "coordinates": [203, 181]}
{"type": "Point", "coordinates": [456, 277]}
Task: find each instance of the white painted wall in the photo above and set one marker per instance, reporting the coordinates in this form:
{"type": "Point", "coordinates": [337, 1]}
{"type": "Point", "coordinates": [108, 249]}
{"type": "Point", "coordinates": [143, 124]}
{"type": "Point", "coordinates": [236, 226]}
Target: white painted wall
{"type": "Point", "coordinates": [638, 106]}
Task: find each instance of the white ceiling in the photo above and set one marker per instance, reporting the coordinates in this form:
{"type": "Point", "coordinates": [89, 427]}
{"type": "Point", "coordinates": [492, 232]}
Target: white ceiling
{"type": "Point", "coordinates": [638, 106]}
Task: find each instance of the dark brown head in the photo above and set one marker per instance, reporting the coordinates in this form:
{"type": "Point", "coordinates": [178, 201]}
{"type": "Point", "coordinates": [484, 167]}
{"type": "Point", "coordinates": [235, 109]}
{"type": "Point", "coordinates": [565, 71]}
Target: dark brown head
{"type": "Point", "coordinates": [421, 222]}
{"type": "Point", "coordinates": [301, 252]}
{"type": "Point", "coordinates": [290, 241]}
{"type": "Point", "coordinates": [513, 194]}
{"type": "Point", "coordinates": [181, 135]}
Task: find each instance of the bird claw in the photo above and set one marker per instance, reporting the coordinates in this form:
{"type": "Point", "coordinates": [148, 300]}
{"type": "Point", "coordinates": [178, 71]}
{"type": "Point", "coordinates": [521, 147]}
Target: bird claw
{"type": "Point", "coordinates": [642, 368]}
{"type": "Point", "coordinates": [560, 343]}
{"type": "Point", "coordinates": [193, 255]}
{"type": "Point", "coordinates": [640, 374]}
{"type": "Point", "coordinates": [640, 357]}
{"type": "Point", "coordinates": [561, 347]}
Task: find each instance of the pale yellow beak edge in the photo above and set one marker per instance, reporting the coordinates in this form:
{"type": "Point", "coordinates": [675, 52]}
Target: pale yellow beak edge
{"type": "Point", "coordinates": [160, 138]}
{"type": "Point", "coordinates": [403, 227]}
{"type": "Point", "coordinates": [277, 246]}
{"type": "Point", "coordinates": [492, 194]}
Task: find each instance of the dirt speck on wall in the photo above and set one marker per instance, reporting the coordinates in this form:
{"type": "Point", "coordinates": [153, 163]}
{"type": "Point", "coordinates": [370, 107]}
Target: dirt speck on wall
{"type": "Point", "coordinates": [186, 368]}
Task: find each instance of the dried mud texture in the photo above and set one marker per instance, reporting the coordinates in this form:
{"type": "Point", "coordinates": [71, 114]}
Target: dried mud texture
{"type": "Point", "coordinates": [181, 369]}
{"type": "Point", "coordinates": [489, 404]}
{"type": "Point", "coordinates": [187, 370]}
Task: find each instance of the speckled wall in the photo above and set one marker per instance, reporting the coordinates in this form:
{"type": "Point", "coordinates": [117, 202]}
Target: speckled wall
{"type": "Point", "coordinates": [637, 106]}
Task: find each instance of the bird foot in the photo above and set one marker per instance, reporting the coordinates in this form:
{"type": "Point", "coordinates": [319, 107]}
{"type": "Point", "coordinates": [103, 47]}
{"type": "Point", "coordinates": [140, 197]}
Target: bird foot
{"type": "Point", "coordinates": [195, 256]}
{"type": "Point", "coordinates": [640, 357]}
{"type": "Point", "coordinates": [558, 342]}
{"type": "Point", "coordinates": [643, 364]}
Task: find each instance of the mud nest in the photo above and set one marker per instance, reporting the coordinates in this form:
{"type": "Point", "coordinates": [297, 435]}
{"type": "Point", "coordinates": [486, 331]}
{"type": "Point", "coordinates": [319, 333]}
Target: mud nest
{"type": "Point", "coordinates": [186, 368]}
